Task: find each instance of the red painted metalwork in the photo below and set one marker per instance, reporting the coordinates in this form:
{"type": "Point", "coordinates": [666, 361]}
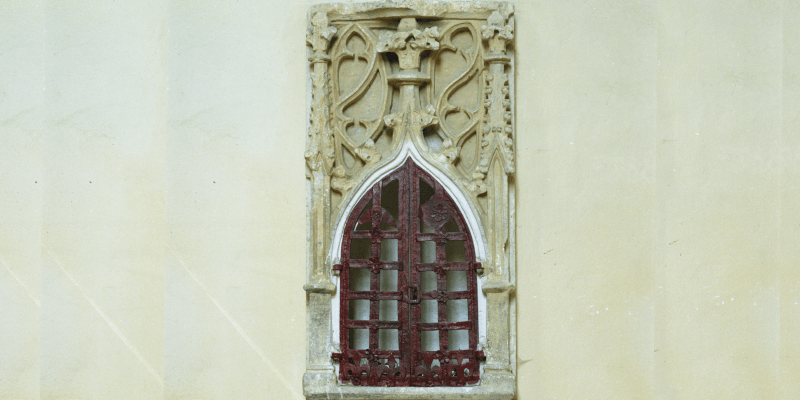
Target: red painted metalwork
{"type": "Point", "coordinates": [422, 214]}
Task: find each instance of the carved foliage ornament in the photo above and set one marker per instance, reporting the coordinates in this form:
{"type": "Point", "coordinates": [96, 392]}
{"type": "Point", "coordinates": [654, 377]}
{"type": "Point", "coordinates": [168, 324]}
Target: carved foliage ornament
{"type": "Point", "coordinates": [436, 78]}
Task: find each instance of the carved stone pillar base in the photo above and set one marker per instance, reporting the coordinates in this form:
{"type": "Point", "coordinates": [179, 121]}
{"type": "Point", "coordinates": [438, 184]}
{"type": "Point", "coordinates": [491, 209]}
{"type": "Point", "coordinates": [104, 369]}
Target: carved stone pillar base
{"type": "Point", "coordinates": [318, 328]}
{"type": "Point", "coordinates": [498, 351]}
{"type": "Point", "coordinates": [316, 383]}
{"type": "Point", "coordinates": [502, 380]}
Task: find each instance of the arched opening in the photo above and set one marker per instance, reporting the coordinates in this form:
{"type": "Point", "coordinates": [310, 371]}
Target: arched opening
{"type": "Point", "coordinates": [408, 294]}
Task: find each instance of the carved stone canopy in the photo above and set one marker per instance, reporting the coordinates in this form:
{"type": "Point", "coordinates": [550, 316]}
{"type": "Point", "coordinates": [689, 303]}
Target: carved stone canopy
{"type": "Point", "coordinates": [432, 81]}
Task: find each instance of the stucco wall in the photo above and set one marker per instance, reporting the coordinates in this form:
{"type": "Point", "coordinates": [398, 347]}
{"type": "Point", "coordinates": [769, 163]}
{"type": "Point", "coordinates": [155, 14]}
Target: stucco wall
{"type": "Point", "coordinates": [152, 199]}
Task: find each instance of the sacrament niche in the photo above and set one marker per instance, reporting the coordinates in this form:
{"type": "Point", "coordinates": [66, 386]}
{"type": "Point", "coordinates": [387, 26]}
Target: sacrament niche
{"type": "Point", "coordinates": [410, 163]}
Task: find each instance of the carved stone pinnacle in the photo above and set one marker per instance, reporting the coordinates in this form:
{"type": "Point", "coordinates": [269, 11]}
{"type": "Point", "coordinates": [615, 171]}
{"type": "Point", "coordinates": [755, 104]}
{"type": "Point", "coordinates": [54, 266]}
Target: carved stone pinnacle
{"type": "Point", "coordinates": [319, 36]}
{"type": "Point", "coordinates": [498, 33]}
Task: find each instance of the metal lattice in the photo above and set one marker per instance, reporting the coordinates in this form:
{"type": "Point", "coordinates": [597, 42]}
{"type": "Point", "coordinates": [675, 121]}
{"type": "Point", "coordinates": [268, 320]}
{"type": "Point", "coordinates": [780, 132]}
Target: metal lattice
{"type": "Point", "coordinates": [395, 342]}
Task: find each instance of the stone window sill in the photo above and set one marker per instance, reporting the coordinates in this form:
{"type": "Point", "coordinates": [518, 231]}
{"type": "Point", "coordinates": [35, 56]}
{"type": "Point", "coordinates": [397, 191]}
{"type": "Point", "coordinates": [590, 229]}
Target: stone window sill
{"type": "Point", "coordinates": [493, 386]}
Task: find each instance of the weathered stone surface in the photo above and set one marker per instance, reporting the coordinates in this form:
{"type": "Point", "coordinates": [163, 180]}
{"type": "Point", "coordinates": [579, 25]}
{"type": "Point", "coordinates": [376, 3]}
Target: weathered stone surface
{"type": "Point", "coordinates": [429, 80]}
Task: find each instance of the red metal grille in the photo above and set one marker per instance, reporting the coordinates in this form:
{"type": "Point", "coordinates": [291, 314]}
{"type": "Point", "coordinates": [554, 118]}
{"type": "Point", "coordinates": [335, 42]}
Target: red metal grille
{"type": "Point", "coordinates": [407, 225]}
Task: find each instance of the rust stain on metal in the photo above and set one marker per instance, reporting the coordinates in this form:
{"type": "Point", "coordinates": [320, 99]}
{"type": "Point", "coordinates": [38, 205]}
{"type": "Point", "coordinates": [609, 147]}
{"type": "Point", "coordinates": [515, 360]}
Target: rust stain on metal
{"type": "Point", "coordinates": [410, 365]}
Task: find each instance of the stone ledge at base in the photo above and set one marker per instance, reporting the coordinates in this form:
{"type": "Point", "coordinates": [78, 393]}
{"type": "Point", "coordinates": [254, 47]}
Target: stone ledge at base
{"type": "Point", "coordinates": [493, 386]}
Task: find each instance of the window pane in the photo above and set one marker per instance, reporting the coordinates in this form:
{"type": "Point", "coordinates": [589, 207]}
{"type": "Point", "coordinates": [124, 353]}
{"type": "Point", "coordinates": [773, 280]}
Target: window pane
{"type": "Point", "coordinates": [388, 310]}
{"type": "Point", "coordinates": [389, 196]}
{"type": "Point", "coordinates": [456, 281]}
{"type": "Point", "coordinates": [388, 280]}
{"type": "Point", "coordinates": [364, 227]}
{"type": "Point", "coordinates": [389, 250]}
{"type": "Point", "coordinates": [451, 226]}
{"type": "Point", "coordinates": [360, 249]}
{"type": "Point", "coordinates": [457, 310]}
{"type": "Point", "coordinates": [359, 339]}
{"type": "Point", "coordinates": [458, 340]}
{"type": "Point", "coordinates": [359, 310]}
{"type": "Point", "coordinates": [428, 281]}
{"type": "Point", "coordinates": [427, 252]}
{"type": "Point", "coordinates": [429, 311]}
{"type": "Point", "coordinates": [359, 279]}
{"type": "Point", "coordinates": [425, 192]}
{"type": "Point", "coordinates": [429, 340]}
{"type": "Point", "coordinates": [368, 225]}
{"type": "Point", "coordinates": [454, 250]}
{"type": "Point", "coordinates": [388, 339]}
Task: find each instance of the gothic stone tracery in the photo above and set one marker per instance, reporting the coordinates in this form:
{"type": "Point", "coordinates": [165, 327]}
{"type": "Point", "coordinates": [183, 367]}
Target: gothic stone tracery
{"type": "Point", "coordinates": [437, 76]}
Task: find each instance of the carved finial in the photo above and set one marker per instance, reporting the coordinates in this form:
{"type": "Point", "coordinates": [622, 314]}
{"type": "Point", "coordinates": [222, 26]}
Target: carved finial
{"type": "Point", "coordinates": [340, 182]}
{"type": "Point", "coordinates": [368, 153]}
{"type": "Point", "coordinates": [448, 153]}
{"type": "Point", "coordinates": [319, 152]}
{"type": "Point", "coordinates": [319, 36]}
{"type": "Point", "coordinates": [497, 32]}
{"type": "Point", "coordinates": [412, 121]}
{"type": "Point", "coordinates": [409, 42]}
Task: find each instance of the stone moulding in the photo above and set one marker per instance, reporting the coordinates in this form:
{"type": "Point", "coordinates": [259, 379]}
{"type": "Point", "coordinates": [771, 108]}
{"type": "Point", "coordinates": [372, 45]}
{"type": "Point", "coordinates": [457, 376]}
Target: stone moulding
{"type": "Point", "coordinates": [427, 80]}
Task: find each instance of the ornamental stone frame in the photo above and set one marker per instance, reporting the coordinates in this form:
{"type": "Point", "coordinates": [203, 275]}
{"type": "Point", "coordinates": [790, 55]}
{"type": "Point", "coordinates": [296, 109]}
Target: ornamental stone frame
{"type": "Point", "coordinates": [430, 81]}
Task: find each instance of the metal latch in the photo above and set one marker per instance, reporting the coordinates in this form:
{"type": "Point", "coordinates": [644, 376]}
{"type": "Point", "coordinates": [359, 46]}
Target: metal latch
{"type": "Point", "coordinates": [411, 295]}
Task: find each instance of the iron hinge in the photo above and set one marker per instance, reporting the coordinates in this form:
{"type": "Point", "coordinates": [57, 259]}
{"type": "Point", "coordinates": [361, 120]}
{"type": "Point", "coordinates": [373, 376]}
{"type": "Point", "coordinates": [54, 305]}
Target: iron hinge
{"type": "Point", "coordinates": [337, 268]}
{"type": "Point", "coordinates": [479, 268]}
{"type": "Point", "coordinates": [336, 356]}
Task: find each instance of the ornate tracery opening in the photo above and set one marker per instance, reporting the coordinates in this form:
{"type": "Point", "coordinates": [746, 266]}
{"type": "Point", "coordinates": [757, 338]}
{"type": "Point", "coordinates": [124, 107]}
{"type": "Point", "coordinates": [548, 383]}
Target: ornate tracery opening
{"type": "Point", "coordinates": [408, 309]}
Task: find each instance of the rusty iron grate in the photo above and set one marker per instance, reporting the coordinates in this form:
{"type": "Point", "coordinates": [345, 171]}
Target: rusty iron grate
{"type": "Point", "coordinates": [408, 287]}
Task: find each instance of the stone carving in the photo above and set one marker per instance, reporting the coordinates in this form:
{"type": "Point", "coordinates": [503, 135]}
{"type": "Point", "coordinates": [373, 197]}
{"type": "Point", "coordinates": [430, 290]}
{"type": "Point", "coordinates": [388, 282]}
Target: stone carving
{"type": "Point", "coordinates": [498, 32]}
{"type": "Point", "coordinates": [339, 180]}
{"type": "Point", "coordinates": [497, 123]}
{"type": "Point", "coordinates": [436, 77]}
{"type": "Point", "coordinates": [459, 113]}
{"type": "Point", "coordinates": [319, 36]}
{"type": "Point", "coordinates": [319, 152]}
{"type": "Point", "coordinates": [368, 153]}
{"type": "Point", "coordinates": [409, 42]}
{"type": "Point", "coordinates": [448, 154]}
{"type": "Point", "coordinates": [319, 146]}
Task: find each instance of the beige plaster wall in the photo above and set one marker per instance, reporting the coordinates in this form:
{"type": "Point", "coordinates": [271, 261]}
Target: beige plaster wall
{"type": "Point", "coordinates": [152, 199]}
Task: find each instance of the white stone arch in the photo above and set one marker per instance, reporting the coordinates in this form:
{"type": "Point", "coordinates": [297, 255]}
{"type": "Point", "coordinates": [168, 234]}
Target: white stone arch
{"type": "Point", "coordinates": [408, 150]}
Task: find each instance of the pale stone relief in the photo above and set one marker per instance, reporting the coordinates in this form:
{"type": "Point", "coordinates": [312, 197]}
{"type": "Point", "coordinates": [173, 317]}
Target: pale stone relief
{"type": "Point", "coordinates": [435, 78]}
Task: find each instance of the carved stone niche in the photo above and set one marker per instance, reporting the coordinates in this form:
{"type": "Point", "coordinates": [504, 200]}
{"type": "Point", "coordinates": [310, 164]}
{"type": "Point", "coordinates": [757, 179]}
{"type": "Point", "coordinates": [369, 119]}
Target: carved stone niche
{"type": "Point", "coordinates": [394, 82]}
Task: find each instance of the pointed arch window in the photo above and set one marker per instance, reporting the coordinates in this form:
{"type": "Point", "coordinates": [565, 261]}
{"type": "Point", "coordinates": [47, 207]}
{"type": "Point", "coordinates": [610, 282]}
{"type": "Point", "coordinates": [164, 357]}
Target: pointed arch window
{"type": "Point", "coordinates": [410, 177]}
{"type": "Point", "coordinates": [408, 310]}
